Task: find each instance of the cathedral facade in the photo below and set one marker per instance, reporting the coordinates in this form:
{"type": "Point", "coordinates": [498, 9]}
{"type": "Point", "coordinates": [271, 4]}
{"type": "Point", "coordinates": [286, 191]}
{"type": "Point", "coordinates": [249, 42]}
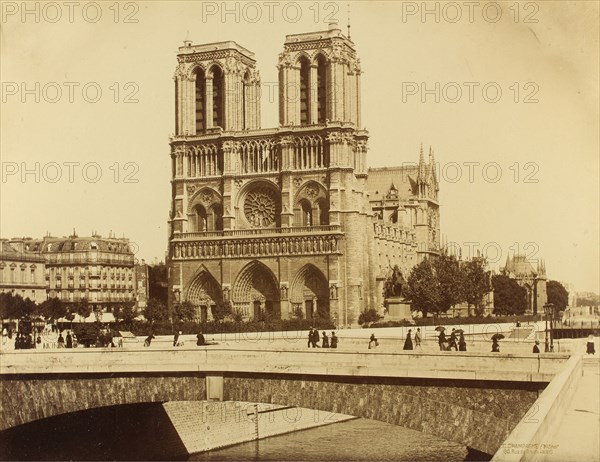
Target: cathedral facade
{"type": "Point", "coordinates": [288, 220]}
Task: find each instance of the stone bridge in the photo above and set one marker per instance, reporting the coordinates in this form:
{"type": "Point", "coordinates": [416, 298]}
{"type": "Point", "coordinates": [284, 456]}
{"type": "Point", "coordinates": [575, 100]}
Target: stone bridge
{"type": "Point", "coordinates": [469, 398]}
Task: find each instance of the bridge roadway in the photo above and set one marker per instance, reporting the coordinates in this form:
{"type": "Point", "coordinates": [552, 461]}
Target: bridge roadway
{"type": "Point", "coordinates": [475, 399]}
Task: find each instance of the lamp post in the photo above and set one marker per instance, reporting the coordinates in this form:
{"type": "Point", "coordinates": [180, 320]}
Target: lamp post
{"type": "Point", "coordinates": [549, 311]}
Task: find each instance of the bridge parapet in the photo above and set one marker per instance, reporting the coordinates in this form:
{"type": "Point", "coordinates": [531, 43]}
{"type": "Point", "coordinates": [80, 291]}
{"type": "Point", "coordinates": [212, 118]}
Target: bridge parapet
{"type": "Point", "coordinates": [454, 365]}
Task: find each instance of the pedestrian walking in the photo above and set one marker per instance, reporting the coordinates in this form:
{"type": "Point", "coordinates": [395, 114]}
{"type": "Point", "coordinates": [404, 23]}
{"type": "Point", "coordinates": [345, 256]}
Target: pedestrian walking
{"type": "Point", "coordinates": [373, 343]}
{"type": "Point", "coordinates": [495, 346]}
{"type": "Point", "coordinates": [69, 340]}
{"type": "Point", "coordinates": [462, 344]}
{"type": "Point", "coordinates": [453, 340]}
{"type": "Point", "coordinates": [325, 343]}
{"type": "Point", "coordinates": [176, 338]}
{"type": "Point", "coordinates": [316, 339]}
{"type": "Point", "coordinates": [536, 348]}
{"type": "Point", "coordinates": [590, 350]}
{"type": "Point", "coordinates": [148, 340]}
{"type": "Point", "coordinates": [61, 341]}
{"type": "Point", "coordinates": [418, 339]}
{"type": "Point", "coordinates": [311, 336]}
{"type": "Point", "coordinates": [408, 344]}
{"type": "Point", "coordinates": [334, 340]}
{"type": "Point", "coordinates": [442, 341]}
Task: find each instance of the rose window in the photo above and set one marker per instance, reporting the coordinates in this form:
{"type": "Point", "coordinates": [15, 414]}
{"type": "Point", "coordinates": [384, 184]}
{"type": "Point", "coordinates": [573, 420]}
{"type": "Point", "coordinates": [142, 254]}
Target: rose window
{"type": "Point", "coordinates": [259, 208]}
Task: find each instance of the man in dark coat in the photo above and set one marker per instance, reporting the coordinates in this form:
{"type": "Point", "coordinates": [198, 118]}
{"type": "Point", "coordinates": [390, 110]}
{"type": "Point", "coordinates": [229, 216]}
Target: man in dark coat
{"type": "Point", "coordinates": [442, 341]}
{"type": "Point", "coordinates": [334, 340]}
{"type": "Point", "coordinates": [69, 339]}
{"type": "Point", "coordinates": [316, 338]}
{"type": "Point", "coordinates": [201, 341]}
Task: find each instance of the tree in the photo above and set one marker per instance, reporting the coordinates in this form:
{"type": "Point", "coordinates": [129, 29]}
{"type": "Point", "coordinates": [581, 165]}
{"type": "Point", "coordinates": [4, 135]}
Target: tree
{"type": "Point", "coordinates": [221, 310]}
{"type": "Point", "coordinates": [184, 311]}
{"type": "Point", "coordinates": [53, 309]}
{"type": "Point", "coordinates": [125, 313]}
{"type": "Point", "coordinates": [423, 288]}
{"type": "Point", "coordinates": [588, 299]}
{"type": "Point", "coordinates": [83, 308]}
{"type": "Point", "coordinates": [476, 283]}
{"type": "Point", "coordinates": [509, 296]}
{"type": "Point", "coordinates": [14, 307]}
{"type": "Point", "coordinates": [155, 310]}
{"type": "Point", "coordinates": [394, 285]}
{"type": "Point", "coordinates": [368, 316]}
{"type": "Point", "coordinates": [557, 295]}
{"type": "Point", "coordinates": [448, 273]}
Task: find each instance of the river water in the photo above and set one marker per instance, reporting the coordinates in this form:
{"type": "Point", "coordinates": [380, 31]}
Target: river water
{"type": "Point", "coordinates": [355, 440]}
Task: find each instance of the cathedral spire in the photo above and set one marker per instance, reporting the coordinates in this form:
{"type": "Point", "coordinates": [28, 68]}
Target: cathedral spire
{"type": "Point", "coordinates": [422, 166]}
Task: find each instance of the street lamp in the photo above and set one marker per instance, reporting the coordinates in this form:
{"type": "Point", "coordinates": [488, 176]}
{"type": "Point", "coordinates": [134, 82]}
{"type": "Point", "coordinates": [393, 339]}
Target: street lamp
{"type": "Point", "coordinates": [549, 311]}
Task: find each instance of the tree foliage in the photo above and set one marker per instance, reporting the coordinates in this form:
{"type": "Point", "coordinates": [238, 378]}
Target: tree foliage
{"type": "Point", "coordinates": [450, 280]}
{"type": "Point", "coordinates": [588, 299]}
{"type": "Point", "coordinates": [368, 316]}
{"type": "Point", "coordinates": [423, 288]}
{"type": "Point", "coordinates": [221, 311]}
{"type": "Point", "coordinates": [476, 283]}
{"type": "Point", "coordinates": [125, 312]}
{"type": "Point", "coordinates": [155, 310]}
{"type": "Point", "coordinates": [184, 311]}
{"type": "Point", "coordinates": [53, 309]}
{"type": "Point", "coordinates": [557, 295]}
{"type": "Point", "coordinates": [509, 296]}
{"type": "Point", "coordinates": [83, 308]}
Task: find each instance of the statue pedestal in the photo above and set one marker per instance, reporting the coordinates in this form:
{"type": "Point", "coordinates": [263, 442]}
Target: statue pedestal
{"type": "Point", "coordinates": [399, 310]}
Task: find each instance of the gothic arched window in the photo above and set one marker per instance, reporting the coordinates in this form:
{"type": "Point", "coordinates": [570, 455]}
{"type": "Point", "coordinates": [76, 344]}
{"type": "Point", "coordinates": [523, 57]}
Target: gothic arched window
{"type": "Point", "coordinates": [304, 91]}
{"type": "Point", "coordinates": [218, 97]}
{"type": "Point", "coordinates": [321, 89]}
{"type": "Point", "coordinates": [306, 213]}
{"type": "Point", "coordinates": [201, 219]}
{"type": "Point", "coordinates": [200, 103]}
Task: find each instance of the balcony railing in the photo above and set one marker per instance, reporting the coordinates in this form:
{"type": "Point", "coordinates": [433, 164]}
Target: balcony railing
{"type": "Point", "coordinates": [259, 232]}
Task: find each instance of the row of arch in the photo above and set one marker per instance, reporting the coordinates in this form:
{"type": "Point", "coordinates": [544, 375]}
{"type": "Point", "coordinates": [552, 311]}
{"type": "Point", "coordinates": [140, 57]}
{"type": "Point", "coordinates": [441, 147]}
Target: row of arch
{"type": "Point", "coordinates": [256, 291]}
{"type": "Point", "coordinates": [311, 207]}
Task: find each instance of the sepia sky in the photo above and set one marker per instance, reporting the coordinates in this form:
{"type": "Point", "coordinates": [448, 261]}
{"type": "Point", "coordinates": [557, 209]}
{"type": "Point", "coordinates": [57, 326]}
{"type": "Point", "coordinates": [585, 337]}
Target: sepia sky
{"type": "Point", "coordinates": [88, 106]}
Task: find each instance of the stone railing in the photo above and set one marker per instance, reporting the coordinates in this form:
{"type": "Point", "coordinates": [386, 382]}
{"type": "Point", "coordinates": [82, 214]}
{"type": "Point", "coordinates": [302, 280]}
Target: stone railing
{"type": "Point", "coordinates": [258, 232]}
{"type": "Point", "coordinates": [524, 442]}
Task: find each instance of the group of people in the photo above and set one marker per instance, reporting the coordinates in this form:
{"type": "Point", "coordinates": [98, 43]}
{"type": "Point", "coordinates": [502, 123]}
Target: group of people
{"type": "Point", "coordinates": [453, 342]}
{"type": "Point", "coordinates": [66, 342]}
{"type": "Point", "coordinates": [327, 342]}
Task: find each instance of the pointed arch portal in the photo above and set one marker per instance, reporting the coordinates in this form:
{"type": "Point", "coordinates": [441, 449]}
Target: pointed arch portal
{"type": "Point", "coordinates": [256, 292]}
{"type": "Point", "coordinates": [310, 293]}
{"type": "Point", "coordinates": [205, 294]}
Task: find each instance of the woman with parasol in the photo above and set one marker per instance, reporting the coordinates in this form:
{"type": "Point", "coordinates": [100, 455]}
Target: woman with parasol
{"type": "Point", "coordinates": [495, 344]}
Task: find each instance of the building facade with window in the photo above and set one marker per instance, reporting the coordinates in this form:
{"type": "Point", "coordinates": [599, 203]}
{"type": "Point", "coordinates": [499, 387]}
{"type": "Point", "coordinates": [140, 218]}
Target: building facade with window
{"type": "Point", "coordinates": [21, 272]}
{"type": "Point", "coordinates": [98, 269]}
{"type": "Point", "coordinates": [286, 220]}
